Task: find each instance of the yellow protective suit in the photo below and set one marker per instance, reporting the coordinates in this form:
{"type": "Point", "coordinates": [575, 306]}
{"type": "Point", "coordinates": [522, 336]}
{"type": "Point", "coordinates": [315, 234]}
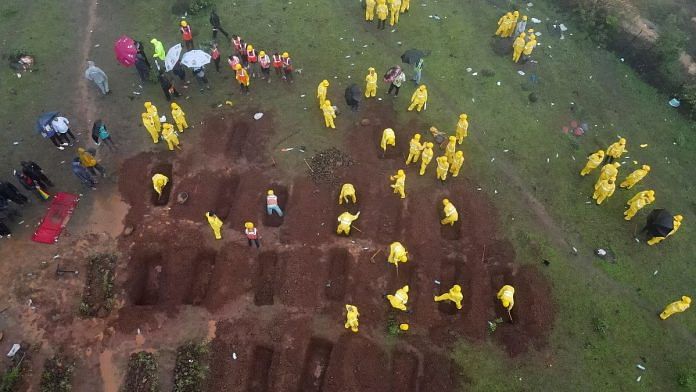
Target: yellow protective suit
{"type": "Point", "coordinates": [149, 123]}
{"type": "Point", "coordinates": [170, 136]}
{"type": "Point", "coordinates": [370, 10]}
{"type": "Point", "coordinates": [617, 149]}
{"type": "Point", "coordinates": [179, 117]}
{"type": "Point", "coordinates": [86, 159]}
{"type": "Point", "coordinates": [610, 170]}
{"type": "Point", "coordinates": [388, 139]}
{"type": "Point", "coordinates": [593, 161]}
{"type": "Point", "coordinates": [633, 178]}
{"type": "Point", "coordinates": [215, 224]}
{"type": "Point", "coordinates": [451, 214]}
{"type": "Point", "coordinates": [329, 114]}
{"type": "Point", "coordinates": [506, 295]}
{"type": "Point", "coordinates": [397, 254]}
{"type": "Point", "coordinates": [352, 317]}
{"type": "Point", "coordinates": [321, 92]}
{"type": "Point", "coordinates": [454, 294]}
{"type": "Point", "coordinates": [153, 110]}
{"type": "Point", "coordinates": [395, 10]}
{"type": "Point", "coordinates": [451, 148]}
{"type": "Point", "coordinates": [442, 168]}
{"type": "Point", "coordinates": [399, 299]}
{"type": "Point", "coordinates": [462, 128]}
{"type": "Point", "coordinates": [399, 185]}
{"type": "Point", "coordinates": [347, 191]}
{"type": "Point", "coordinates": [677, 221]}
{"type": "Point", "coordinates": [529, 46]}
{"type": "Point", "coordinates": [457, 163]}
{"type": "Point", "coordinates": [518, 47]}
{"type": "Point", "coordinates": [405, 5]}
{"type": "Point", "coordinates": [503, 23]}
{"type": "Point", "coordinates": [512, 25]}
{"type": "Point", "coordinates": [676, 307]}
{"type": "Point", "coordinates": [344, 222]}
{"type": "Point", "coordinates": [382, 10]}
{"type": "Point", "coordinates": [603, 190]}
{"type": "Point", "coordinates": [159, 181]}
{"type": "Point", "coordinates": [640, 195]}
{"type": "Point", "coordinates": [419, 98]}
{"type": "Point", "coordinates": [371, 83]}
{"type": "Point", "coordinates": [637, 205]}
{"type": "Point", "coordinates": [414, 149]}
{"type": "Point", "coordinates": [426, 157]}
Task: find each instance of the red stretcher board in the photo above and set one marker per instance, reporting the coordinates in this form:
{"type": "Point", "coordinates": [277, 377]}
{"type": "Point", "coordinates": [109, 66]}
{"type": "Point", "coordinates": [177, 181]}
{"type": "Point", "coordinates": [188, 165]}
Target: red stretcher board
{"type": "Point", "coordinates": [56, 218]}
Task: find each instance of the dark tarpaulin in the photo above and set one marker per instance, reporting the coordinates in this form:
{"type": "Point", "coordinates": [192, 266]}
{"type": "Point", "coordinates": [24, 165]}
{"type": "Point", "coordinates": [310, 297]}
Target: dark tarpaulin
{"type": "Point", "coordinates": [353, 95]}
{"type": "Point", "coordinates": [660, 222]}
{"type": "Point", "coordinates": [412, 56]}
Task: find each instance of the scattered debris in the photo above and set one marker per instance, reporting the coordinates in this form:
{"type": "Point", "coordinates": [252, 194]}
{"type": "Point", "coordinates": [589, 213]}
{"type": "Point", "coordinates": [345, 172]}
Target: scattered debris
{"type": "Point", "coordinates": [258, 116]}
{"type": "Point", "coordinates": [322, 166]}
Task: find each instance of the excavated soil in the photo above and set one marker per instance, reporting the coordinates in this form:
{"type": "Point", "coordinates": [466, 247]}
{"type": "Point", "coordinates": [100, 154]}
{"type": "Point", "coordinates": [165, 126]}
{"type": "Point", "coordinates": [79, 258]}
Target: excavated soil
{"type": "Point", "coordinates": [280, 309]}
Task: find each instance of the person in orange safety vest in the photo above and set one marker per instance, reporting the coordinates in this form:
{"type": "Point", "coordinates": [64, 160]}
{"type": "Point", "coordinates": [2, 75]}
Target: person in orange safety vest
{"type": "Point", "coordinates": [186, 34]}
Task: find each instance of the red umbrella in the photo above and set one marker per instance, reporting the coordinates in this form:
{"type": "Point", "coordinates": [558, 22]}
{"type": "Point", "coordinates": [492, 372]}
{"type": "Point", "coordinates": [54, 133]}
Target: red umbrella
{"type": "Point", "coordinates": [125, 50]}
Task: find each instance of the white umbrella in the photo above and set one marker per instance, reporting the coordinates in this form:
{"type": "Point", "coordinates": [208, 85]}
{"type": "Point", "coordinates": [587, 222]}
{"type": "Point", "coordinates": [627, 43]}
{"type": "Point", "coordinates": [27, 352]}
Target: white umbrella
{"type": "Point", "coordinates": [172, 57]}
{"type": "Point", "coordinates": [195, 58]}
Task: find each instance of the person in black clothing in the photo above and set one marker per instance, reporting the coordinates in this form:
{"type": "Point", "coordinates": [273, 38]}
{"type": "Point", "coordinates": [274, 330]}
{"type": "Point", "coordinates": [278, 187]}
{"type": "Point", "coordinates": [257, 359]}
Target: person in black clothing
{"type": "Point", "coordinates": [4, 230]}
{"type": "Point", "coordinates": [167, 86]}
{"type": "Point", "coordinates": [179, 71]}
{"type": "Point", "coordinates": [10, 192]}
{"type": "Point", "coordinates": [37, 174]}
{"type": "Point", "coordinates": [8, 212]}
{"type": "Point", "coordinates": [142, 67]}
{"type": "Point", "coordinates": [141, 51]}
{"type": "Point", "coordinates": [215, 22]}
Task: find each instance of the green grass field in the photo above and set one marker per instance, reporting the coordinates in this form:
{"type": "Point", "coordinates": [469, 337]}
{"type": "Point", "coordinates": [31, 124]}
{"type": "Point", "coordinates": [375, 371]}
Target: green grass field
{"type": "Point", "coordinates": [606, 319]}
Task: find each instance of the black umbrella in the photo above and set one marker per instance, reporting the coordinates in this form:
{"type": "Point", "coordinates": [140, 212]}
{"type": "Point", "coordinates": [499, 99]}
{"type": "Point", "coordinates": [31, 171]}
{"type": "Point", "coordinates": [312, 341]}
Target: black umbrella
{"type": "Point", "coordinates": [660, 223]}
{"type": "Point", "coordinates": [412, 56]}
{"type": "Point", "coordinates": [353, 95]}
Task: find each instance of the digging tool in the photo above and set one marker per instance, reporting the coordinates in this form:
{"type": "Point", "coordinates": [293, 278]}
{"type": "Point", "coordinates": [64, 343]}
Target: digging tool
{"type": "Point", "coordinates": [483, 255]}
{"type": "Point", "coordinates": [510, 316]}
{"type": "Point", "coordinates": [372, 259]}
{"type": "Point", "coordinates": [353, 226]}
{"type": "Point", "coordinates": [310, 167]}
{"type": "Point", "coordinates": [274, 162]}
{"type": "Point", "coordinates": [60, 271]}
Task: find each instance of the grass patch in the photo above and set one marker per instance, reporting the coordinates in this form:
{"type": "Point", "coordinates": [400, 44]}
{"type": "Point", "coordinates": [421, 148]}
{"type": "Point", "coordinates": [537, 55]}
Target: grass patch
{"type": "Point", "coordinates": [15, 371]}
{"type": "Point", "coordinates": [57, 374]}
{"type": "Point", "coordinates": [191, 367]}
{"type": "Point", "coordinates": [142, 373]}
{"type": "Point", "coordinates": [98, 294]}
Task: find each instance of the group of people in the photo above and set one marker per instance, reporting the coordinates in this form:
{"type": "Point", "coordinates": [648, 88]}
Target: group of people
{"type": "Point", "coordinates": [32, 178]}
{"type": "Point", "coordinates": [510, 25]}
{"type": "Point", "coordinates": [158, 127]}
{"type": "Point", "coordinates": [385, 9]}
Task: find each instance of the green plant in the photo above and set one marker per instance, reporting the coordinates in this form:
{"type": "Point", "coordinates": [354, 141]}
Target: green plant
{"type": "Point", "coordinates": [197, 6]}
{"type": "Point", "coordinates": [57, 375]}
{"type": "Point", "coordinates": [392, 326]}
{"type": "Point", "coordinates": [600, 325]}
{"type": "Point", "coordinates": [687, 379]}
{"type": "Point", "coordinates": [191, 367]}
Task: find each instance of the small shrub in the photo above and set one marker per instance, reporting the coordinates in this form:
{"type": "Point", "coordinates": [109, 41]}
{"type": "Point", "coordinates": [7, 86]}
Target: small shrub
{"type": "Point", "coordinates": [687, 380]}
{"type": "Point", "coordinates": [600, 325]}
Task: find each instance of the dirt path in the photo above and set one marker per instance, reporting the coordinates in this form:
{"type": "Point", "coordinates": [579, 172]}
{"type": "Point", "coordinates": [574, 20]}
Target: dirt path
{"type": "Point", "coordinates": [87, 106]}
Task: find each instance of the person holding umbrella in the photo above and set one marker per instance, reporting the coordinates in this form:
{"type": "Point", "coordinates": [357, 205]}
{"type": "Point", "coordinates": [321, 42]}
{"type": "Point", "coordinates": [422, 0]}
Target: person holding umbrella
{"type": "Point", "coordinates": [676, 223]}
{"type": "Point", "coordinates": [196, 60]}
{"type": "Point", "coordinates": [43, 126]}
{"type": "Point", "coordinates": [396, 76]}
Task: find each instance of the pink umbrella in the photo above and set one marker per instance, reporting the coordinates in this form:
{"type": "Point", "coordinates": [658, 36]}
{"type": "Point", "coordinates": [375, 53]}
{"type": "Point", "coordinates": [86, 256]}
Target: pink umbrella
{"type": "Point", "coordinates": [125, 50]}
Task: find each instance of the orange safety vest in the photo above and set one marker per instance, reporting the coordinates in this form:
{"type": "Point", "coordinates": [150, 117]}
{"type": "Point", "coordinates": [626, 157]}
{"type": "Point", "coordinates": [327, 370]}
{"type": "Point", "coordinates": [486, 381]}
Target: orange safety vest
{"type": "Point", "coordinates": [232, 61]}
{"type": "Point", "coordinates": [237, 44]}
{"type": "Point", "coordinates": [251, 55]}
{"type": "Point", "coordinates": [272, 200]}
{"type": "Point", "coordinates": [287, 63]}
{"type": "Point", "coordinates": [242, 77]}
{"type": "Point", "coordinates": [265, 61]}
{"type": "Point", "coordinates": [186, 33]}
{"type": "Point", "coordinates": [277, 61]}
{"type": "Point", "coordinates": [251, 234]}
{"type": "Point", "coordinates": [215, 54]}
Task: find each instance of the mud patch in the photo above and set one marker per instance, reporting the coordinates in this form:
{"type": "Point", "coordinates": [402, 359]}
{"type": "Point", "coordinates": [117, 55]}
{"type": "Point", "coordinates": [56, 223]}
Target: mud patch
{"type": "Point", "coordinates": [98, 294]}
{"type": "Point", "coordinates": [259, 372]}
{"type": "Point", "coordinates": [208, 191]}
{"type": "Point", "coordinates": [339, 260]}
{"type": "Point", "coordinates": [316, 363]}
{"type": "Point", "coordinates": [404, 371]}
{"type": "Point", "coordinates": [274, 220]}
{"type": "Point", "coordinates": [203, 267]}
{"type": "Point", "coordinates": [166, 169]}
{"type": "Point", "coordinates": [237, 140]}
{"type": "Point", "coordinates": [265, 278]}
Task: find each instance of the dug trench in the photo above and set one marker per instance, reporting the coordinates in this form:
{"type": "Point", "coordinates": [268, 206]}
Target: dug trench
{"type": "Point", "coordinates": [265, 282]}
{"type": "Point", "coordinates": [315, 365]}
{"type": "Point", "coordinates": [273, 220]}
{"type": "Point", "coordinates": [166, 170]}
{"type": "Point", "coordinates": [339, 260]}
{"type": "Point", "coordinates": [259, 372]}
{"type": "Point", "coordinates": [405, 371]}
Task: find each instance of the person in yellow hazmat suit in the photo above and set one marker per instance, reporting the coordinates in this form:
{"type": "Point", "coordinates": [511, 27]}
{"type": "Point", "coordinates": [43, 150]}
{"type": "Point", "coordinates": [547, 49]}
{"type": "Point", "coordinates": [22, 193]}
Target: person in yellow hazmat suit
{"type": "Point", "coordinates": [503, 24]}
{"type": "Point", "coordinates": [442, 168]}
{"type": "Point", "coordinates": [676, 221]}
{"type": "Point", "coordinates": [451, 149]}
{"type": "Point", "coordinates": [529, 47]}
{"type": "Point", "coordinates": [382, 14]}
{"type": "Point", "coordinates": [641, 194]}
{"type": "Point", "coordinates": [451, 214]}
{"type": "Point", "coordinates": [370, 10]}
{"type": "Point", "coordinates": [610, 170]}
{"type": "Point", "coordinates": [395, 11]}
{"type": "Point", "coordinates": [388, 139]}
{"type": "Point", "coordinates": [426, 157]}
{"type": "Point", "coordinates": [352, 317]}
{"type": "Point", "coordinates": [603, 190]}
{"type": "Point", "coordinates": [615, 150]}
{"type": "Point", "coordinates": [399, 184]}
{"type": "Point", "coordinates": [399, 299]}
{"type": "Point", "coordinates": [322, 89]}
{"type": "Point", "coordinates": [215, 224]}
{"type": "Point", "coordinates": [159, 181]}
{"type": "Point", "coordinates": [506, 295]}
{"type": "Point", "coordinates": [344, 222]}
{"type": "Point", "coordinates": [635, 177]}
{"type": "Point", "coordinates": [457, 163]}
{"type": "Point", "coordinates": [676, 307]}
{"type": "Point", "coordinates": [153, 110]}
{"type": "Point", "coordinates": [371, 83]}
{"type": "Point", "coordinates": [462, 128]}
{"type": "Point", "coordinates": [329, 114]}
{"type": "Point", "coordinates": [454, 294]}
{"type": "Point", "coordinates": [397, 254]}
{"type": "Point", "coordinates": [179, 117]}
{"type": "Point", "coordinates": [419, 98]}
{"type": "Point", "coordinates": [405, 5]}
{"type": "Point", "coordinates": [149, 123]}
{"type": "Point", "coordinates": [510, 30]}
{"type": "Point", "coordinates": [593, 161]}
{"type": "Point", "coordinates": [414, 149]}
{"type": "Point", "coordinates": [170, 136]}
{"type": "Point", "coordinates": [637, 205]}
{"type": "Point", "coordinates": [347, 191]}
{"type": "Point", "coordinates": [518, 47]}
